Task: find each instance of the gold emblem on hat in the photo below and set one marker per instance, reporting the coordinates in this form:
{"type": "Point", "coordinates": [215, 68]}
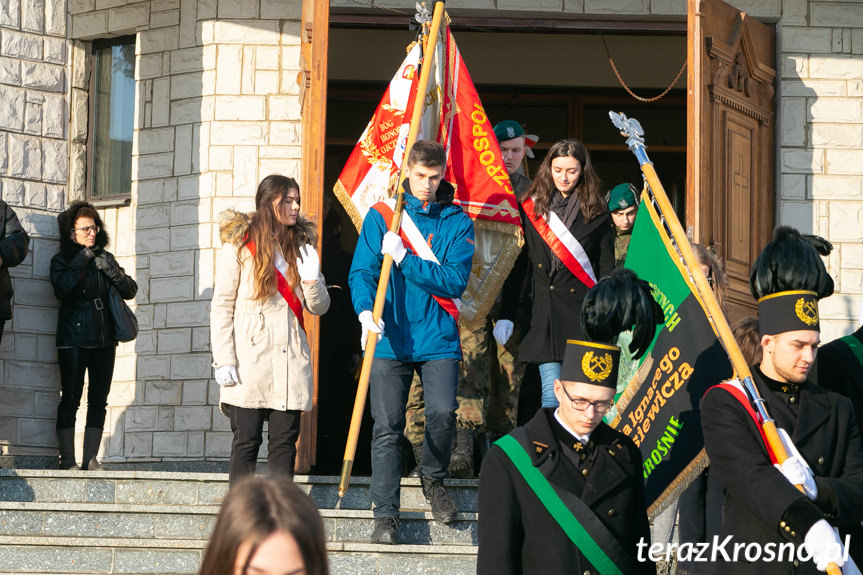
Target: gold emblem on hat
{"type": "Point", "coordinates": [596, 367]}
{"type": "Point", "coordinates": [807, 311]}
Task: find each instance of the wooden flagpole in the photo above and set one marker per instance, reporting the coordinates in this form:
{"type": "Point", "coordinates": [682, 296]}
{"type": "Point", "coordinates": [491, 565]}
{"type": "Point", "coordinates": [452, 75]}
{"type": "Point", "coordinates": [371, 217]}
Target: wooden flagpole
{"type": "Point", "coordinates": [631, 128]}
{"type": "Point", "coordinates": [386, 266]}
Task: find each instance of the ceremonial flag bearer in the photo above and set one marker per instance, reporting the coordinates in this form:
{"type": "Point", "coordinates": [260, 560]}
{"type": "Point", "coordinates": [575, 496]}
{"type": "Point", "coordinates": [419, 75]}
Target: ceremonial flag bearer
{"type": "Point", "coordinates": [418, 332]}
{"type": "Point", "coordinates": [763, 508]}
{"type": "Point", "coordinates": [565, 493]}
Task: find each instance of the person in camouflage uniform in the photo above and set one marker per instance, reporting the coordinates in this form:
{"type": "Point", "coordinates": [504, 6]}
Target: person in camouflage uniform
{"type": "Point", "coordinates": [623, 205]}
{"type": "Point", "coordinates": [490, 375]}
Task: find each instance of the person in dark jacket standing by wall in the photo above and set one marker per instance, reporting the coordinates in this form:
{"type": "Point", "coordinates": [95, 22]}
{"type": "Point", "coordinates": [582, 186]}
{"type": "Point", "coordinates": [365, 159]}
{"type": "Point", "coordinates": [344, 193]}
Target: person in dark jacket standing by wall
{"type": "Point", "coordinates": [82, 274]}
{"type": "Point", "coordinates": [418, 331]}
{"type": "Point", "coordinates": [14, 242]}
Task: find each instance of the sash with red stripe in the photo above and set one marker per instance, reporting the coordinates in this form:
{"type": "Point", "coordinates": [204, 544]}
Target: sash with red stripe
{"type": "Point", "coordinates": [413, 240]}
{"type": "Point", "coordinates": [562, 243]}
{"type": "Point", "coordinates": [737, 392]}
{"type": "Point", "coordinates": [285, 289]}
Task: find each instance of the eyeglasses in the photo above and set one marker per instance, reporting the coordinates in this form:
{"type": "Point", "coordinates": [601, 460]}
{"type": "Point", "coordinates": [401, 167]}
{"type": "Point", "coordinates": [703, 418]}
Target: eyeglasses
{"type": "Point", "coordinates": [600, 407]}
{"type": "Point", "coordinates": [88, 230]}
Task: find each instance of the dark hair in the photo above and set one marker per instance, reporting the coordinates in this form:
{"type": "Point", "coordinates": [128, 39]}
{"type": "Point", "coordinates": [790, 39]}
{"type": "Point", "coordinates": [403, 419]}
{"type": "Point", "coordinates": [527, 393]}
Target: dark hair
{"type": "Point", "coordinates": [265, 228]}
{"type": "Point", "coordinates": [748, 338]}
{"type": "Point", "coordinates": [716, 276]}
{"type": "Point", "coordinates": [790, 262]}
{"type": "Point", "coordinates": [593, 202]}
{"type": "Point", "coordinates": [66, 223]}
{"type": "Point", "coordinates": [619, 302]}
{"type": "Point", "coordinates": [427, 153]}
{"type": "Point", "coordinates": [254, 509]}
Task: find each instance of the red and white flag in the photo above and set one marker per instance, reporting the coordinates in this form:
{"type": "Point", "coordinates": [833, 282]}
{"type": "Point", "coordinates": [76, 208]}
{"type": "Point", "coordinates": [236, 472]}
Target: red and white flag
{"type": "Point", "coordinates": [453, 115]}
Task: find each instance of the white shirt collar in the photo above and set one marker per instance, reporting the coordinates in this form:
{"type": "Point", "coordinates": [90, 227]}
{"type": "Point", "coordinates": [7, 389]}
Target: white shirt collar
{"type": "Point", "coordinates": [581, 438]}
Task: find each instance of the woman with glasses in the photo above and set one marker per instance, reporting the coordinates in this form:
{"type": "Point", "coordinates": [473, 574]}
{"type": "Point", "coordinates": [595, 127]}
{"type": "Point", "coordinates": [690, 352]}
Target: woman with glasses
{"type": "Point", "coordinates": [268, 272]}
{"type": "Point", "coordinates": [82, 274]}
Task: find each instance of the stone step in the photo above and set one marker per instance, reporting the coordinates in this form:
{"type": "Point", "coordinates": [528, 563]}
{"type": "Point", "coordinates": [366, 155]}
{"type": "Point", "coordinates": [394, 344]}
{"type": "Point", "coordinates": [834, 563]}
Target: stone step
{"type": "Point", "coordinates": [204, 489]}
{"type": "Point", "coordinates": [129, 557]}
{"type": "Point", "coordinates": [184, 522]}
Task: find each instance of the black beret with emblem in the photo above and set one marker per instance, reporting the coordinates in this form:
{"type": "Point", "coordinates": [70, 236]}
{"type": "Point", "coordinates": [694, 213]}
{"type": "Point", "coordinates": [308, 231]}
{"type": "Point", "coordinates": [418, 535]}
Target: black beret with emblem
{"type": "Point", "coordinates": [619, 302]}
{"type": "Point", "coordinates": [788, 279]}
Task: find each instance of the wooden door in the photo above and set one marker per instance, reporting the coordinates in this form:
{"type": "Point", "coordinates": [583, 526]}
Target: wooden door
{"type": "Point", "coordinates": [730, 155]}
{"type": "Point", "coordinates": [313, 103]}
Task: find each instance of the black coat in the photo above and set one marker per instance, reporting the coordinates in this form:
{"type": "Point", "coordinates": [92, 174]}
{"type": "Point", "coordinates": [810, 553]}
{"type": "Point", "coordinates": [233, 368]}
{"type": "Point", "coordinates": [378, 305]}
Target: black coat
{"type": "Point", "coordinates": [517, 534]}
{"type": "Point", "coordinates": [84, 319]}
{"type": "Point", "coordinates": [839, 370]}
{"type": "Point", "coordinates": [556, 304]}
{"type": "Point", "coordinates": [761, 505]}
{"type": "Point", "coordinates": [13, 249]}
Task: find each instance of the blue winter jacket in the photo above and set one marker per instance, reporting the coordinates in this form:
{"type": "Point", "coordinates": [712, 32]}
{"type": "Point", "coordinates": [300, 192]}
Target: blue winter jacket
{"type": "Point", "coordinates": [416, 327]}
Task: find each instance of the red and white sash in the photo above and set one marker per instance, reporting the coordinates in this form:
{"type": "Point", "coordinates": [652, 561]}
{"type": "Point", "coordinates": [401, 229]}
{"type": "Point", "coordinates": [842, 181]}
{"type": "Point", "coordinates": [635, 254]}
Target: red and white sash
{"type": "Point", "coordinates": [282, 283]}
{"type": "Point", "coordinates": [735, 388]}
{"type": "Point", "coordinates": [413, 240]}
{"type": "Point", "coordinates": [561, 241]}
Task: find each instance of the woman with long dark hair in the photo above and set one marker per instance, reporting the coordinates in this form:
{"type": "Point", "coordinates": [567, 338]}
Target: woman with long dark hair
{"type": "Point", "coordinates": [82, 274]}
{"type": "Point", "coordinates": [267, 526]}
{"type": "Point", "coordinates": [570, 246]}
{"type": "Point", "coordinates": [267, 273]}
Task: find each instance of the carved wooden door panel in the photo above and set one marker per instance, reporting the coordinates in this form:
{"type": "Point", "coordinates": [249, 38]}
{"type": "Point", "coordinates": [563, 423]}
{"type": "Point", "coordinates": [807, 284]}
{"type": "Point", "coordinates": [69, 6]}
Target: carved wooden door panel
{"type": "Point", "coordinates": [730, 155]}
{"type": "Point", "coordinates": [312, 80]}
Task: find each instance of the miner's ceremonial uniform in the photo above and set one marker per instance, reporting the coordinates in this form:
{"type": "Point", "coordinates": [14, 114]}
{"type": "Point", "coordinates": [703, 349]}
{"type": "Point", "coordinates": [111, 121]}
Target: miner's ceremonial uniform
{"type": "Point", "coordinates": [517, 534]}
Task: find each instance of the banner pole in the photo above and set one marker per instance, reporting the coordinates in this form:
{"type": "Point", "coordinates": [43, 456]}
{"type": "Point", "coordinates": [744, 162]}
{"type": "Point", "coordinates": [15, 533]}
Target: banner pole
{"type": "Point", "coordinates": [632, 130]}
{"type": "Point", "coordinates": [386, 266]}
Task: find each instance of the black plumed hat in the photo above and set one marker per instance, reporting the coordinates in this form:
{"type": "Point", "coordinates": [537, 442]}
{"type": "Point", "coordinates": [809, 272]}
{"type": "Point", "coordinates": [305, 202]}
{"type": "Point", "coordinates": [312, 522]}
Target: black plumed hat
{"type": "Point", "coordinates": [791, 262]}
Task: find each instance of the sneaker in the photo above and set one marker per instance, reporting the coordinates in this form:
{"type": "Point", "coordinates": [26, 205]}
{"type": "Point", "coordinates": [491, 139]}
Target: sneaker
{"type": "Point", "coordinates": [385, 530]}
{"type": "Point", "coordinates": [442, 506]}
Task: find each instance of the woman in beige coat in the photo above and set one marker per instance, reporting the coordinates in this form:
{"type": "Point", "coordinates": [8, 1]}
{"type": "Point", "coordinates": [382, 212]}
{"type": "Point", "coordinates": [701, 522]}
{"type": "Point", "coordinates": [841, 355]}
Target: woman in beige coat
{"type": "Point", "coordinates": [267, 272]}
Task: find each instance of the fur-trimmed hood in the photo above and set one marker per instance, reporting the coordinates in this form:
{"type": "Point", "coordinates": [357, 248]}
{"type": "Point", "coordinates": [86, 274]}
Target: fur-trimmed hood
{"type": "Point", "coordinates": [66, 221]}
{"type": "Point", "coordinates": [234, 226]}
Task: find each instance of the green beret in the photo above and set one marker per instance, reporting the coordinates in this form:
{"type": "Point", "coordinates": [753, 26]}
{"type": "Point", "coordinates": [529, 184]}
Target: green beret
{"type": "Point", "coordinates": [508, 130]}
{"type": "Point", "coordinates": [622, 196]}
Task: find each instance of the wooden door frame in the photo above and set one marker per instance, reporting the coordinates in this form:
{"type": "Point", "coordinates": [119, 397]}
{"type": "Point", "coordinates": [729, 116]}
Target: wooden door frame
{"type": "Point", "coordinates": [314, 33]}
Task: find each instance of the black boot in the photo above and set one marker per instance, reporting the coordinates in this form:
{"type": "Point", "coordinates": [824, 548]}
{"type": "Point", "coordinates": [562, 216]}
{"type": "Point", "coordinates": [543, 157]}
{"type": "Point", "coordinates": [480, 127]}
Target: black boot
{"type": "Point", "coordinates": [461, 461]}
{"type": "Point", "coordinates": [66, 444]}
{"type": "Point", "coordinates": [418, 457]}
{"type": "Point", "coordinates": [92, 440]}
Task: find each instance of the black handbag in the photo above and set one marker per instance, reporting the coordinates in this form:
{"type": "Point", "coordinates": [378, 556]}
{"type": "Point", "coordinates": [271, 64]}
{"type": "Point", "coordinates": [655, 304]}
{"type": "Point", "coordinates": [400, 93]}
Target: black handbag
{"type": "Point", "coordinates": [125, 322]}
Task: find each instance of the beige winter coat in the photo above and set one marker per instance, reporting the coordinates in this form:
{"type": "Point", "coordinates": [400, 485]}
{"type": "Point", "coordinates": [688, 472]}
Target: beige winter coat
{"type": "Point", "coordinates": [261, 338]}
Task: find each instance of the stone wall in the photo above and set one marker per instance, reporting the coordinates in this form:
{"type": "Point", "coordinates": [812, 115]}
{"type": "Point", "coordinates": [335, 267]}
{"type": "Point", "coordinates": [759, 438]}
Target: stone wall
{"type": "Point", "coordinates": [33, 180]}
{"type": "Point", "coordinates": [217, 110]}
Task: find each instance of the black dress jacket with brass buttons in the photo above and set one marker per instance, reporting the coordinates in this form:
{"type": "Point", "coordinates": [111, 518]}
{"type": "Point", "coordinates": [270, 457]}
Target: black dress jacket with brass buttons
{"type": "Point", "coordinates": [761, 505]}
{"type": "Point", "coordinates": [517, 535]}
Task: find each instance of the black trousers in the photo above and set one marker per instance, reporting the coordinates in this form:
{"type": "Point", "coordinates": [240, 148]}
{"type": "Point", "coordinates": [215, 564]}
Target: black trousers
{"type": "Point", "coordinates": [248, 427]}
{"type": "Point", "coordinates": [2, 325]}
{"type": "Point", "coordinates": [99, 364]}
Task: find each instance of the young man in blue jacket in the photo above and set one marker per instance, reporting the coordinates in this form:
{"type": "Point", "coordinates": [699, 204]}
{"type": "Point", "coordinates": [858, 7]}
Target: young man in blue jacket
{"type": "Point", "coordinates": [432, 254]}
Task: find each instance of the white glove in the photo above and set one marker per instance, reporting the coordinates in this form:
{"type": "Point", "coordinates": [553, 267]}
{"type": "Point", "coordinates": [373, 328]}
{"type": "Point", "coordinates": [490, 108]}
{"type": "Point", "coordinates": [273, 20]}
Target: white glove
{"type": "Point", "coordinates": [502, 331]}
{"type": "Point", "coordinates": [394, 246]}
{"type": "Point", "coordinates": [367, 320]}
{"type": "Point", "coordinates": [227, 375]}
{"type": "Point", "coordinates": [308, 264]}
{"type": "Point", "coordinates": [823, 545]}
{"type": "Point", "coordinates": [797, 473]}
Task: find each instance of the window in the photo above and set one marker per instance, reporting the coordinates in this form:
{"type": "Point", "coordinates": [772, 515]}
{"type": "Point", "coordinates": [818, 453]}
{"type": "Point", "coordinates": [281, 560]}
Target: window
{"type": "Point", "coordinates": [112, 113]}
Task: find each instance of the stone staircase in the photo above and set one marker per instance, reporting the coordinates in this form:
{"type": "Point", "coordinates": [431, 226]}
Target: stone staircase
{"type": "Point", "coordinates": [136, 522]}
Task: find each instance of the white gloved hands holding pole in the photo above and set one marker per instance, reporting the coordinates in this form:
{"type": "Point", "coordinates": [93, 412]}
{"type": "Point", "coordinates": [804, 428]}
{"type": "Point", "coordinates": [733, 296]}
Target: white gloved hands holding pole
{"type": "Point", "coordinates": [226, 375]}
{"type": "Point", "coordinates": [308, 264]}
{"type": "Point", "coordinates": [823, 545]}
{"type": "Point", "coordinates": [798, 473]}
{"type": "Point", "coordinates": [367, 321]}
{"type": "Point", "coordinates": [502, 331]}
{"type": "Point", "coordinates": [393, 245]}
